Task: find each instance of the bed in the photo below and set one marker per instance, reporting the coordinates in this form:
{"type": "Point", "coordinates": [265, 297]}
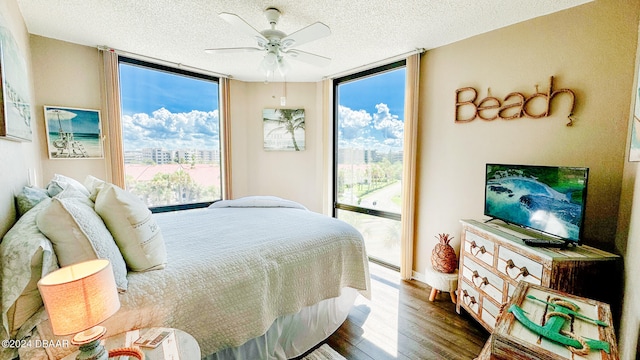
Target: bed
{"type": "Point", "coordinates": [258, 277]}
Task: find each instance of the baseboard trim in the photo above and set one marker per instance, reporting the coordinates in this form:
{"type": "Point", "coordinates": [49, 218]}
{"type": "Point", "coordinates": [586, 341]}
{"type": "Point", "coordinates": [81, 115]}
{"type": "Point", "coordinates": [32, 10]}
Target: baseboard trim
{"type": "Point", "coordinates": [418, 276]}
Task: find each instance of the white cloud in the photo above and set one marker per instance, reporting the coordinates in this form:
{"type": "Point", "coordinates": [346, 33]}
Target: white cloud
{"type": "Point", "coordinates": [164, 129]}
{"type": "Point", "coordinates": [390, 125]}
{"type": "Point", "coordinates": [381, 131]}
{"type": "Point", "coordinates": [353, 123]}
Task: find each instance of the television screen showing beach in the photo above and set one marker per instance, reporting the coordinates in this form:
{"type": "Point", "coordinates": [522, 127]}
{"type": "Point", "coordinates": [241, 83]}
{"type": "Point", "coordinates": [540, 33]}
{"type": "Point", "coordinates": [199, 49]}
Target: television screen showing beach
{"type": "Point", "coordinates": [548, 199]}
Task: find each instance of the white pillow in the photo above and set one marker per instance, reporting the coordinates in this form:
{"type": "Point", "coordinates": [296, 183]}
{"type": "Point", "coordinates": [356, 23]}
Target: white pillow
{"type": "Point", "coordinates": [133, 227]}
{"type": "Point", "coordinates": [61, 182]}
{"type": "Point", "coordinates": [94, 185]}
{"type": "Point", "coordinates": [78, 234]}
{"type": "Point", "coordinates": [258, 201]}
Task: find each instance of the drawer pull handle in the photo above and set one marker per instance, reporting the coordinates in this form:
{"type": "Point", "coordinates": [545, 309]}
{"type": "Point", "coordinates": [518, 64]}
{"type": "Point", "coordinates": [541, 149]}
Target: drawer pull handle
{"type": "Point", "coordinates": [471, 301]}
{"type": "Point", "coordinates": [483, 280]}
{"type": "Point", "coordinates": [481, 249]}
{"type": "Point", "coordinates": [510, 265]}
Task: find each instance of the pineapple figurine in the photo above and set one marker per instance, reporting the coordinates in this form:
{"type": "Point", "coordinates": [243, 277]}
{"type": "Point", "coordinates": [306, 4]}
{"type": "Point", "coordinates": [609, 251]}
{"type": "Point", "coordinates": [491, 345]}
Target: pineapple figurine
{"type": "Point", "coordinates": [443, 257]}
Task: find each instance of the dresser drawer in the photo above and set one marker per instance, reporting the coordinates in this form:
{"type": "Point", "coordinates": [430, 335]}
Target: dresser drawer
{"type": "Point", "coordinates": [518, 267]}
{"type": "Point", "coordinates": [490, 312]}
{"type": "Point", "coordinates": [469, 298]}
{"type": "Point", "coordinates": [481, 248]}
{"type": "Point", "coordinates": [483, 279]}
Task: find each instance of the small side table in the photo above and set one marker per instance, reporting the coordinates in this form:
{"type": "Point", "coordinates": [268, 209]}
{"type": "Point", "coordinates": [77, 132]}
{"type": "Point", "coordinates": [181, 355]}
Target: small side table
{"type": "Point", "coordinates": [187, 346]}
{"type": "Point", "coordinates": [440, 281]}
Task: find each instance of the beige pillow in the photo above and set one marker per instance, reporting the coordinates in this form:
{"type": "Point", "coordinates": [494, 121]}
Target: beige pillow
{"type": "Point", "coordinates": [133, 227]}
{"type": "Point", "coordinates": [78, 234]}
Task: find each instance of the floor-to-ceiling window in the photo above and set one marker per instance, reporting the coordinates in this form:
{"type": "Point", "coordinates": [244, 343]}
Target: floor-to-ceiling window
{"type": "Point", "coordinates": [170, 134]}
{"type": "Point", "coordinates": [368, 141]}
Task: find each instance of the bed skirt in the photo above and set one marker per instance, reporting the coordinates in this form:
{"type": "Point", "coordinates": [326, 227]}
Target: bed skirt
{"type": "Point", "coordinates": [292, 335]}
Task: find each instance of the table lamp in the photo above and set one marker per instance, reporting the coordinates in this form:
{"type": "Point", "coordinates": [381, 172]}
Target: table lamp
{"type": "Point", "coordinates": [78, 298]}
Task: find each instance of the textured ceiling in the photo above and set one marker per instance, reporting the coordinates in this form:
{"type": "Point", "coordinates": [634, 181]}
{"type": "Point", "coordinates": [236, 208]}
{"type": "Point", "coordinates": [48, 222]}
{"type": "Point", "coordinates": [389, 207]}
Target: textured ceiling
{"type": "Point", "coordinates": [362, 31]}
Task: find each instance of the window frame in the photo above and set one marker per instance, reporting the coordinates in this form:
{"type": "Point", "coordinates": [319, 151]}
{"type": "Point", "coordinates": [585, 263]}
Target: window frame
{"type": "Point", "coordinates": [336, 82]}
{"type": "Point", "coordinates": [187, 73]}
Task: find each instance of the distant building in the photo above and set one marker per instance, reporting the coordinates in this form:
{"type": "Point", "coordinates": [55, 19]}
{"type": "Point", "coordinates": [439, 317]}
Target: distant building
{"type": "Point", "coordinates": [158, 155]}
{"type": "Point", "coordinates": [162, 156]}
{"type": "Point", "coordinates": [133, 157]}
{"type": "Point", "coordinates": [208, 156]}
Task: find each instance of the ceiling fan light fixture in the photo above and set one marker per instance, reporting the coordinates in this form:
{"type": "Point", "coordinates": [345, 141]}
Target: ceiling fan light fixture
{"type": "Point", "coordinates": [270, 59]}
{"type": "Point", "coordinates": [283, 66]}
{"type": "Point", "coordinates": [273, 62]}
{"type": "Point", "coordinates": [276, 44]}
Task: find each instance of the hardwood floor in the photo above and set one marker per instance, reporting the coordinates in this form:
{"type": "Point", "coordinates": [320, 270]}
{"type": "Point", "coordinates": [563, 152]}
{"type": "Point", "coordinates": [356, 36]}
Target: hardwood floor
{"type": "Point", "coordinates": [399, 322]}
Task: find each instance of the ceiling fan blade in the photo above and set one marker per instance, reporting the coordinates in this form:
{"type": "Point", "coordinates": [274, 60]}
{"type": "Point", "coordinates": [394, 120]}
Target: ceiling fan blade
{"type": "Point", "coordinates": [310, 33]}
{"type": "Point", "coordinates": [242, 26]}
{"type": "Point", "coordinates": [308, 58]}
{"type": "Point", "coordinates": [232, 50]}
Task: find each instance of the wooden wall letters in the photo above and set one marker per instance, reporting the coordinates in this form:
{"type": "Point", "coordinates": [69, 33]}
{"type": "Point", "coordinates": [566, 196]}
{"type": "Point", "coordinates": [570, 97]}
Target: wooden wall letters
{"type": "Point", "coordinates": [515, 105]}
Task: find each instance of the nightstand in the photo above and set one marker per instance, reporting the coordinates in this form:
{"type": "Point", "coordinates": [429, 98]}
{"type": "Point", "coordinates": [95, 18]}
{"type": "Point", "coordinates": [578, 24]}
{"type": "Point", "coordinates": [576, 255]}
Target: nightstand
{"type": "Point", "coordinates": [186, 348]}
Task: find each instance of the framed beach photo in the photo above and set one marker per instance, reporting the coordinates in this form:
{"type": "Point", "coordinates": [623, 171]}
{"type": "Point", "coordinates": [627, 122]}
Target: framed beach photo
{"type": "Point", "coordinates": [283, 129]}
{"type": "Point", "coordinates": [73, 133]}
{"type": "Point", "coordinates": [15, 102]}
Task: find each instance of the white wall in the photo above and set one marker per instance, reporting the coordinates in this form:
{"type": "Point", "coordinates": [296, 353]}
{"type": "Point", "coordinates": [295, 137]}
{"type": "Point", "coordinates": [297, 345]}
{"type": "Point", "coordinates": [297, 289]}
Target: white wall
{"type": "Point", "coordinates": [17, 157]}
{"type": "Point", "coordinates": [629, 243]}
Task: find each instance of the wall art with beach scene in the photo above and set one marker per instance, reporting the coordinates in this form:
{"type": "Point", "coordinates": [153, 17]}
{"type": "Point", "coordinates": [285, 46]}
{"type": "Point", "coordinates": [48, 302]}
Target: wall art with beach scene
{"type": "Point", "coordinates": [283, 129]}
{"type": "Point", "coordinates": [73, 133]}
{"type": "Point", "coordinates": [15, 96]}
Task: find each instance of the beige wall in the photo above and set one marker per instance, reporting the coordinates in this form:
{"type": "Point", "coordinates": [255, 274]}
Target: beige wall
{"type": "Point", "coordinates": [17, 157]}
{"type": "Point", "coordinates": [589, 49]}
{"type": "Point", "coordinates": [66, 75]}
{"type": "Point", "coordinates": [289, 174]}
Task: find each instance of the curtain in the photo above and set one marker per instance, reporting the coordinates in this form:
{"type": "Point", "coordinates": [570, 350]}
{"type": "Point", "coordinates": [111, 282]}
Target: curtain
{"type": "Point", "coordinates": [113, 143]}
{"type": "Point", "coordinates": [410, 160]}
{"type": "Point", "coordinates": [327, 141]}
{"type": "Point", "coordinates": [225, 137]}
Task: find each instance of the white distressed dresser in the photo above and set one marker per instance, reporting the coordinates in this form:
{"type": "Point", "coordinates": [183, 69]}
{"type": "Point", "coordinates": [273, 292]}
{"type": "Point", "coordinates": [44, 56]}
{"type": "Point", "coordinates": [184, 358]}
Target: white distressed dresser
{"type": "Point", "coordinates": [494, 259]}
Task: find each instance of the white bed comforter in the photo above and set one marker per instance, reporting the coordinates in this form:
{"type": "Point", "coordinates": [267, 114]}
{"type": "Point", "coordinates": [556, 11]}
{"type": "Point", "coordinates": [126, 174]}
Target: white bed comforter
{"type": "Point", "coordinates": [232, 271]}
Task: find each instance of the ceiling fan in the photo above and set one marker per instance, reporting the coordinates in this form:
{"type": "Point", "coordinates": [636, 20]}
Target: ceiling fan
{"type": "Point", "coordinates": [276, 43]}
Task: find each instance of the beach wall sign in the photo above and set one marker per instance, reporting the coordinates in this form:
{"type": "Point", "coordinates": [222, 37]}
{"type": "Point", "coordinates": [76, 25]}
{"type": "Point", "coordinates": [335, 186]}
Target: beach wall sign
{"type": "Point", "coordinates": [514, 105]}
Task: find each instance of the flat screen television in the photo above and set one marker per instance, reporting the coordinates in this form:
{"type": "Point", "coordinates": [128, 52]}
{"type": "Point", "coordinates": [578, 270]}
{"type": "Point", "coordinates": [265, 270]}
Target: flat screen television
{"type": "Point", "coordinates": [548, 199]}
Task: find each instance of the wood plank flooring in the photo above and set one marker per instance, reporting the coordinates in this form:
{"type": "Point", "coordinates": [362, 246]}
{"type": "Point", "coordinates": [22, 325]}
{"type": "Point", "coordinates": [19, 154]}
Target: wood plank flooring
{"type": "Point", "coordinates": [399, 322]}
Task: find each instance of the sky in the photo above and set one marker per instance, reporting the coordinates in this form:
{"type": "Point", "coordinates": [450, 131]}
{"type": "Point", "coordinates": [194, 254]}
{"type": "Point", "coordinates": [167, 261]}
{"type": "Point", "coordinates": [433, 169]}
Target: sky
{"type": "Point", "coordinates": [170, 111]}
{"type": "Point", "coordinates": [76, 120]}
{"type": "Point", "coordinates": [371, 112]}
{"type": "Point", "coordinates": [165, 110]}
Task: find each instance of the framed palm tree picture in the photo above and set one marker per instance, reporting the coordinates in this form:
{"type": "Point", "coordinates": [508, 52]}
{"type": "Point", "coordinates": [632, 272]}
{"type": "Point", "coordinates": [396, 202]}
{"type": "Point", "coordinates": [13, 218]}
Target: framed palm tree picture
{"type": "Point", "coordinates": [283, 129]}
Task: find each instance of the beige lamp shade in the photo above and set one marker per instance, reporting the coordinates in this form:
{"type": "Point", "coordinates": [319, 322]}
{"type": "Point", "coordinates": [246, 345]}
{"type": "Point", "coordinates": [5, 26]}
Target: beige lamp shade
{"type": "Point", "coordinates": [79, 296]}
